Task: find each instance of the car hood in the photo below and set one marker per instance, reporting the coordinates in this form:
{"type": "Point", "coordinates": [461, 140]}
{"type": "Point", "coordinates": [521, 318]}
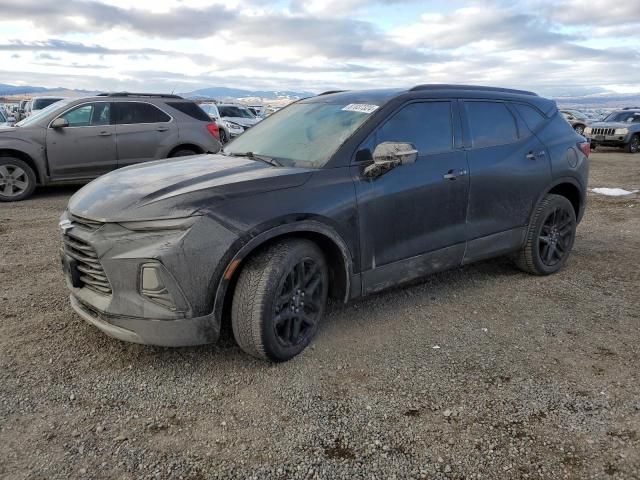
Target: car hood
{"type": "Point", "coordinates": [610, 125]}
{"type": "Point", "coordinates": [179, 187]}
{"type": "Point", "coordinates": [245, 122]}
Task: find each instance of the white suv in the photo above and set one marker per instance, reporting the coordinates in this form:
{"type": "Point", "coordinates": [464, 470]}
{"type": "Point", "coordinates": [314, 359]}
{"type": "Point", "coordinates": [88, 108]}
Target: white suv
{"type": "Point", "coordinates": [228, 128]}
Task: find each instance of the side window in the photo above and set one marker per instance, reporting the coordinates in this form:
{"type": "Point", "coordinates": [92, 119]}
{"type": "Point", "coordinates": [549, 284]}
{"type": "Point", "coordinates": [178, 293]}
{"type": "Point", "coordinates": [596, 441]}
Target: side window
{"type": "Point", "coordinates": [426, 125]}
{"type": "Point", "coordinates": [89, 115]}
{"type": "Point", "coordinates": [532, 117]}
{"type": "Point", "coordinates": [491, 123]}
{"type": "Point", "coordinates": [138, 112]}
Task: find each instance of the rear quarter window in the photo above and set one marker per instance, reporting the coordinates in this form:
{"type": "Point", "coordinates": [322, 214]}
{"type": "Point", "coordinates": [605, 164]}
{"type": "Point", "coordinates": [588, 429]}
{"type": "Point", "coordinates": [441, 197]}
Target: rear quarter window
{"type": "Point", "coordinates": [190, 109]}
{"type": "Point", "coordinates": [531, 116]}
{"type": "Point", "coordinates": [491, 123]}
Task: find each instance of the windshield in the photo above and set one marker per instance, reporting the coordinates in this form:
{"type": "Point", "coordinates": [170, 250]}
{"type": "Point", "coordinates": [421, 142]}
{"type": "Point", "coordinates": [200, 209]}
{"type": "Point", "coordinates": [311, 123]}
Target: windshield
{"type": "Point", "coordinates": [2, 118]}
{"type": "Point", "coordinates": [42, 113]}
{"type": "Point", "coordinates": [235, 112]}
{"type": "Point", "coordinates": [301, 135]}
{"type": "Point", "coordinates": [626, 117]}
{"type": "Point", "coordinates": [40, 103]}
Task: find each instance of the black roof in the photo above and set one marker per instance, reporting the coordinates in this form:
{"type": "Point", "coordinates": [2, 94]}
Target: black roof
{"type": "Point", "coordinates": [131, 94]}
{"type": "Point", "coordinates": [382, 96]}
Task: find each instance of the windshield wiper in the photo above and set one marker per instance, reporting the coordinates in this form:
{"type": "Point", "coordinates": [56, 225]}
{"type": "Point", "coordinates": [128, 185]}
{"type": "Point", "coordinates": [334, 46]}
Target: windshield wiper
{"type": "Point", "coordinates": [253, 156]}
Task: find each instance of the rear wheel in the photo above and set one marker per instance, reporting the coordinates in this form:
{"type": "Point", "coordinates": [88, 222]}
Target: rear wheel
{"type": "Point", "coordinates": [550, 237]}
{"type": "Point", "coordinates": [280, 299]}
{"type": "Point", "coordinates": [17, 180]}
{"type": "Point", "coordinates": [634, 145]}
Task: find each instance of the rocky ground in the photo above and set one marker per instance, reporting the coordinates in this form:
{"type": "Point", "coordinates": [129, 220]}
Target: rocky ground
{"type": "Point", "coordinates": [482, 372]}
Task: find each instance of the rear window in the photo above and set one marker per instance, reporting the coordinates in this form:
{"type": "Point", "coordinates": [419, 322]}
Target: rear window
{"type": "Point", "coordinates": [491, 123]}
{"type": "Point", "coordinates": [40, 103]}
{"type": "Point", "coordinates": [191, 109]}
{"type": "Point", "coordinates": [138, 112]}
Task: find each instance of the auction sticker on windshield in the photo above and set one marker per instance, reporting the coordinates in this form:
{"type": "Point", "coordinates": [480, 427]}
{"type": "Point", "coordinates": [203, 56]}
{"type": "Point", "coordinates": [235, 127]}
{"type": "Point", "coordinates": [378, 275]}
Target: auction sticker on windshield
{"type": "Point", "coordinates": [360, 107]}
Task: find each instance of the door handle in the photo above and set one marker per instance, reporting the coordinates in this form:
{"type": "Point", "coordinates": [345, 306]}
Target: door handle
{"type": "Point", "coordinates": [162, 129]}
{"type": "Point", "coordinates": [453, 175]}
{"type": "Point", "coordinates": [105, 134]}
{"type": "Point", "coordinates": [535, 156]}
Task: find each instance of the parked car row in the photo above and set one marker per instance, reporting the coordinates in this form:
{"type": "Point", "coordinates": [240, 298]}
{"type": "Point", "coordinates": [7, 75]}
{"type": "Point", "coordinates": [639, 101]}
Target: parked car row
{"type": "Point", "coordinates": [232, 119]}
{"type": "Point", "coordinates": [620, 129]}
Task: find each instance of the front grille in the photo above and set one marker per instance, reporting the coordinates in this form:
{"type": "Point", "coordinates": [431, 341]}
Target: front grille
{"type": "Point", "coordinates": [85, 223]}
{"type": "Point", "coordinates": [603, 131]}
{"type": "Point", "coordinates": [92, 274]}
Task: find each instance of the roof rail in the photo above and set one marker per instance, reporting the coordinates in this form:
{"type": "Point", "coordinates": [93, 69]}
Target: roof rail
{"type": "Point", "coordinates": [131, 94]}
{"type": "Point", "coordinates": [631, 108]}
{"type": "Point", "coordinates": [444, 86]}
{"type": "Point", "coordinates": [329, 92]}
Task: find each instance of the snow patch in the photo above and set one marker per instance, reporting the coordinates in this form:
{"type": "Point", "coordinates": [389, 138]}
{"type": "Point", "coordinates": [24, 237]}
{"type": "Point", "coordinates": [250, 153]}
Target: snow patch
{"type": "Point", "coordinates": [613, 192]}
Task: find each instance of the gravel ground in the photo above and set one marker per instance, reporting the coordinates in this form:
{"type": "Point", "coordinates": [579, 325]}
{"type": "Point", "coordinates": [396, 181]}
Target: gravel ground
{"type": "Point", "coordinates": [481, 372]}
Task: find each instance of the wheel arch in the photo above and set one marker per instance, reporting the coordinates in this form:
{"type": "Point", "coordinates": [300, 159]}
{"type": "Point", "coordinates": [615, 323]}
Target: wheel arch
{"type": "Point", "coordinates": [569, 188]}
{"type": "Point", "coordinates": [186, 146]}
{"type": "Point", "coordinates": [335, 249]}
{"type": "Point", "coordinates": [26, 158]}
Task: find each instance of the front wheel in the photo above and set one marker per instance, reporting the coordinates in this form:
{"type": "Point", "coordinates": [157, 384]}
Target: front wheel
{"type": "Point", "coordinates": [17, 180]}
{"type": "Point", "coordinates": [550, 237]}
{"type": "Point", "coordinates": [579, 129]}
{"type": "Point", "coordinates": [634, 145]}
{"type": "Point", "coordinates": [280, 299]}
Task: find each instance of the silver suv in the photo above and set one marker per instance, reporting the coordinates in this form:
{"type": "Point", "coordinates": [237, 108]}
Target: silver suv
{"type": "Point", "coordinates": [76, 140]}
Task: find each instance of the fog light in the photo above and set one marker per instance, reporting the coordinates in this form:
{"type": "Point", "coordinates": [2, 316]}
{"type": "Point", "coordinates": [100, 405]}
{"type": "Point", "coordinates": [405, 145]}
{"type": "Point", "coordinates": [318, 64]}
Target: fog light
{"type": "Point", "coordinates": [153, 288]}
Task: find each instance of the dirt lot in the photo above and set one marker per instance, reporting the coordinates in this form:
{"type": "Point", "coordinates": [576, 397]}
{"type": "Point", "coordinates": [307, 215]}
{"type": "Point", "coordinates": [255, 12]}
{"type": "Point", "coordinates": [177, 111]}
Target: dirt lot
{"type": "Point", "coordinates": [482, 372]}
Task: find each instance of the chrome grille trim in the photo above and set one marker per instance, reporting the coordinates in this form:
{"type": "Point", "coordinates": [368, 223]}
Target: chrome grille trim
{"type": "Point", "coordinates": [85, 223]}
{"type": "Point", "coordinates": [92, 275]}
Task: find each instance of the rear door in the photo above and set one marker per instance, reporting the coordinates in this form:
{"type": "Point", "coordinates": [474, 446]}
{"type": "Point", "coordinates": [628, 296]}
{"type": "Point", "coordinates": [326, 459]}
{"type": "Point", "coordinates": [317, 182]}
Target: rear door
{"type": "Point", "coordinates": [143, 132]}
{"type": "Point", "coordinates": [509, 168]}
{"type": "Point", "coordinates": [87, 147]}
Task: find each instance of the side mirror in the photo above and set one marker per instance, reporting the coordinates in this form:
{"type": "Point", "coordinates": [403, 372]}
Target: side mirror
{"type": "Point", "coordinates": [60, 122]}
{"type": "Point", "coordinates": [389, 155]}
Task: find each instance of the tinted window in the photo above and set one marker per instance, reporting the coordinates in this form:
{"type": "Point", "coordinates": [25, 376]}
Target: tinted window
{"type": "Point", "coordinates": [40, 103]}
{"type": "Point", "coordinates": [138, 112]}
{"type": "Point", "coordinates": [191, 109]}
{"type": "Point", "coordinates": [532, 117]}
{"type": "Point", "coordinates": [491, 123]}
{"type": "Point", "coordinates": [90, 114]}
{"type": "Point", "coordinates": [426, 125]}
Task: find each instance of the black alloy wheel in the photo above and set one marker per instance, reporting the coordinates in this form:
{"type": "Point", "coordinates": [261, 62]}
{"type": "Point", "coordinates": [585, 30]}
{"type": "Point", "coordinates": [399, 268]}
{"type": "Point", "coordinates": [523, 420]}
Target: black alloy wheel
{"type": "Point", "coordinates": [556, 237]}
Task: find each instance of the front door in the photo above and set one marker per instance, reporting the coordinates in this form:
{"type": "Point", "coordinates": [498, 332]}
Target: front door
{"type": "Point", "coordinates": [86, 148]}
{"type": "Point", "coordinates": [412, 218]}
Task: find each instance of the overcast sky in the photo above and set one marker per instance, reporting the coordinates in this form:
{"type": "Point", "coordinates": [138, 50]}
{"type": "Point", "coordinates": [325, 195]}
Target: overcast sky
{"type": "Point", "coordinates": [552, 46]}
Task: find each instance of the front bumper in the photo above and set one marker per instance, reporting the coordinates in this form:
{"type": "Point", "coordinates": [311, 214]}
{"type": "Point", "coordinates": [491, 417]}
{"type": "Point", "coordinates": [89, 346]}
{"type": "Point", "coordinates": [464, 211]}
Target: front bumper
{"type": "Point", "coordinates": [189, 262]}
{"type": "Point", "coordinates": [166, 333]}
{"type": "Point", "coordinates": [609, 140]}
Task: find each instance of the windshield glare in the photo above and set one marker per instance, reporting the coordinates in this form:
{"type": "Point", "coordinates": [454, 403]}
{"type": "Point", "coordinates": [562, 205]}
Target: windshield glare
{"type": "Point", "coordinates": [42, 113]}
{"type": "Point", "coordinates": [626, 117]}
{"type": "Point", "coordinates": [301, 135]}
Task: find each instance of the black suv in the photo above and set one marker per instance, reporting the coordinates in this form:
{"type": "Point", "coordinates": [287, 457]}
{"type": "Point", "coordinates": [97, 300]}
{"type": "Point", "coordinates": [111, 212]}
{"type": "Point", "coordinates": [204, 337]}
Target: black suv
{"type": "Point", "coordinates": [340, 195]}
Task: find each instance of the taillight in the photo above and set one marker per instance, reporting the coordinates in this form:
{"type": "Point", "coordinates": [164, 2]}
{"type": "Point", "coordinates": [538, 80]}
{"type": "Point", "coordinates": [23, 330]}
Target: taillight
{"type": "Point", "coordinates": [585, 147]}
{"type": "Point", "coordinates": [214, 130]}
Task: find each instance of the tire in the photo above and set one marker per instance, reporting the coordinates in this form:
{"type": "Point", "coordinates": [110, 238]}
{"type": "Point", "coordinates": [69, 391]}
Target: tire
{"type": "Point", "coordinates": [579, 128]}
{"type": "Point", "coordinates": [634, 145]}
{"type": "Point", "coordinates": [594, 145]}
{"type": "Point", "coordinates": [550, 237]}
{"type": "Point", "coordinates": [280, 299]}
{"type": "Point", "coordinates": [17, 180]}
{"type": "Point", "coordinates": [182, 152]}
{"type": "Point", "coordinates": [223, 136]}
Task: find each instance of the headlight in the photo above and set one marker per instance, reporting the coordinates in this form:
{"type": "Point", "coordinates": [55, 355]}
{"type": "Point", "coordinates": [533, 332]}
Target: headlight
{"type": "Point", "coordinates": [621, 131]}
{"type": "Point", "coordinates": [232, 125]}
{"type": "Point", "coordinates": [587, 130]}
{"type": "Point", "coordinates": [161, 224]}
